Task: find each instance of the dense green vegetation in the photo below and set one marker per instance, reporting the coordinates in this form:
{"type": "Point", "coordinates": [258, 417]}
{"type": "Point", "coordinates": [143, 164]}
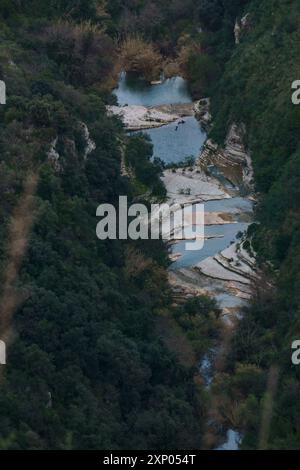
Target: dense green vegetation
{"type": "Point", "coordinates": [145, 170]}
{"type": "Point", "coordinates": [251, 83]}
{"type": "Point", "coordinates": [87, 367]}
{"type": "Point", "coordinates": [98, 358]}
{"type": "Point", "coordinates": [255, 88]}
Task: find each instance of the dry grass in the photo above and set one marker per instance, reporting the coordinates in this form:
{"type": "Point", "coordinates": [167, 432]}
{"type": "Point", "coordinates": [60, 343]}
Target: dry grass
{"type": "Point", "coordinates": [171, 69]}
{"type": "Point", "coordinates": [135, 263]}
{"type": "Point", "coordinates": [268, 405]}
{"type": "Point", "coordinates": [139, 56]}
{"type": "Point", "coordinates": [19, 233]}
{"type": "Point", "coordinates": [65, 27]}
{"type": "Point", "coordinates": [176, 341]}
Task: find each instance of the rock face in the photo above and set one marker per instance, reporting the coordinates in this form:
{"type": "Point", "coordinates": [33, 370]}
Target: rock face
{"type": "Point", "coordinates": [231, 264]}
{"type": "Point", "coordinates": [233, 160]}
{"type": "Point", "coordinates": [237, 32]}
{"type": "Point", "coordinates": [185, 190]}
{"type": "Point", "coordinates": [242, 26]}
{"type": "Point", "coordinates": [90, 145]}
{"type": "Point", "coordinates": [70, 148]}
{"type": "Point", "coordinates": [179, 109]}
{"type": "Point", "coordinates": [228, 275]}
{"type": "Point", "coordinates": [53, 155]}
{"type": "Point", "coordinates": [202, 113]}
{"type": "Point", "coordinates": [139, 117]}
{"type": "Point", "coordinates": [190, 187]}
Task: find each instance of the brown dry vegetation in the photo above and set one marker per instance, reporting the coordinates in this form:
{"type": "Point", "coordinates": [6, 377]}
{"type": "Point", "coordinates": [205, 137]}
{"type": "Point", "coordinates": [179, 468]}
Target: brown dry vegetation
{"type": "Point", "coordinates": [171, 69]}
{"type": "Point", "coordinates": [141, 57]}
{"type": "Point", "coordinates": [176, 340]}
{"type": "Point", "coordinates": [19, 233]}
{"type": "Point", "coordinates": [83, 52]}
{"type": "Point", "coordinates": [186, 51]}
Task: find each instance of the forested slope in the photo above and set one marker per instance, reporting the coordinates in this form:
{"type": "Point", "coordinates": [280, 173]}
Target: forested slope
{"type": "Point", "coordinates": [86, 367]}
{"type": "Point", "coordinates": [249, 79]}
{"type": "Point", "coordinates": [255, 88]}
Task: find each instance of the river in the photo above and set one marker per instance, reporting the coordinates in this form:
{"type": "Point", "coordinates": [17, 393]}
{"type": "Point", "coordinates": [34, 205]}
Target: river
{"type": "Point", "coordinates": [132, 90]}
{"type": "Point", "coordinates": [173, 143]}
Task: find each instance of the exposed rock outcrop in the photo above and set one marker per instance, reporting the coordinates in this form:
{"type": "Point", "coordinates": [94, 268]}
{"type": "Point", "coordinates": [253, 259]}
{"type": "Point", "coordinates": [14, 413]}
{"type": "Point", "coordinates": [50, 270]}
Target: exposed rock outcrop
{"type": "Point", "coordinates": [53, 155]}
{"type": "Point", "coordinates": [70, 149]}
{"type": "Point", "coordinates": [179, 109]}
{"type": "Point", "coordinates": [241, 27]}
{"type": "Point", "coordinates": [226, 276]}
{"type": "Point", "coordinates": [90, 145]}
{"type": "Point", "coordinates": [231, 264]}
{"type": "Point", "coordinates": [202, 113]}
{"type": "Point", "coordinates": [233, 160]}
{"type": "Point", "coordinates": [237, 31]}
{"type": "Point", "coordinates": [140, 117]}
{"type": "Point", "coordinates": [190, 187]}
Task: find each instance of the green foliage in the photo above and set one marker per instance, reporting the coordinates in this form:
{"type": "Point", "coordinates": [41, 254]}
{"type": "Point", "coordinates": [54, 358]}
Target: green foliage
{"type": "Point", "coordinates": [203, 72]}
{"type": "Point", "coordinates": [138, 157]}
{"type": "Point", "coordinates": [199, 318]}
{"type": "Point", "coordinates": [86, 369]}
{"type": "Point", "coordinates": [83, 53]}
{"type": "Point", "coordinates": [256, 89]}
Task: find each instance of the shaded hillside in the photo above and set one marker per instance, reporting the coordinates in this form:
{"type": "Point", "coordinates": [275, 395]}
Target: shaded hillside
{"type": "Point", "coordinates": [86, 367]}
{"type": "Point", "coordinates": [255, 88]}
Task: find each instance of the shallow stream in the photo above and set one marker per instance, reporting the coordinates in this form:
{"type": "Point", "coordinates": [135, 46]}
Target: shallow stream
{"type": "Point", "coordinates": [173, 143]}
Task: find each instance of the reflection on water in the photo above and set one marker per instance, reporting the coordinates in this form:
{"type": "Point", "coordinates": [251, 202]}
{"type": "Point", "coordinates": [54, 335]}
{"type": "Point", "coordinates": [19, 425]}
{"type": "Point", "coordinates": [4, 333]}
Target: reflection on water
{"type": "Point", "coordinates": [211, 246]}
{"type": "Point", "coordinates": [229, 205]}
{"type": "Point", "coordinates": [229, 301]}
{"type": "Point", "coordinates": [133, 91]}
{"type": "Point", "coordinates": [173, 145]}
{"type": "Point", "coordinates": [173, 142]}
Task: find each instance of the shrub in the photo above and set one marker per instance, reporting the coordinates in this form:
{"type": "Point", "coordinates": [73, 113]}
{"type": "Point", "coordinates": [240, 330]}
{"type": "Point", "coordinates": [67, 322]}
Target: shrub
{"type": "Point", "coordinates": [140, 57]}
{"type": "Point", "coordinates": [84, 53]}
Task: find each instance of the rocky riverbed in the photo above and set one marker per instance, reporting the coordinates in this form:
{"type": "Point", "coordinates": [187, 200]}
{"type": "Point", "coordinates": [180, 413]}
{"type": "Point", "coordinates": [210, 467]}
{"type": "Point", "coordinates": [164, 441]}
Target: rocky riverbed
{"type": "Point", "coordinates": [225, 270]}
{"type": "Point", "coordinates": [226, 273]}
{"type": "Point", "coordinates": [136, 118]}
{"type": "Point", "coordinates": [222, 180]}
{"type": "Point", "coordinates": [139, 117]}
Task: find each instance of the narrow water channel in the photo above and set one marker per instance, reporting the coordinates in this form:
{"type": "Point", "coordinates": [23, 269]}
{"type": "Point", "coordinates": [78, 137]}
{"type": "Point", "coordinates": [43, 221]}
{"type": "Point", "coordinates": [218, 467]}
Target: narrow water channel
{"type": "Point", "coordinates": [173, 143]}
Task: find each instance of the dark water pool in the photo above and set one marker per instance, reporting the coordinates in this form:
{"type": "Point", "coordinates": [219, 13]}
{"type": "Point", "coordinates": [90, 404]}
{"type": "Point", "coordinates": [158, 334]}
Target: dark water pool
{"type": "Point", "coordinates": [211, 246]}
{"type": "Point", "coordinates": [173, 145]}
{"type": "Point", "coordinates": [133, 91]}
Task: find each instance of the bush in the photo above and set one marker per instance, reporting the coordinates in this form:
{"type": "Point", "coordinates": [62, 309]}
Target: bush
{"type": "Point", "coordinates": [140, 57]}
{"type": "Point", "coordinates": [84, 53]}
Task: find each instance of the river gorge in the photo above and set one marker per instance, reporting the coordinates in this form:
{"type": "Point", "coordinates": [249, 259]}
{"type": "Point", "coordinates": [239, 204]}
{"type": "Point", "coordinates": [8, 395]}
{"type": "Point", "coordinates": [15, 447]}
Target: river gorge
{"type": "Point", "coordinates": [221, 179]}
